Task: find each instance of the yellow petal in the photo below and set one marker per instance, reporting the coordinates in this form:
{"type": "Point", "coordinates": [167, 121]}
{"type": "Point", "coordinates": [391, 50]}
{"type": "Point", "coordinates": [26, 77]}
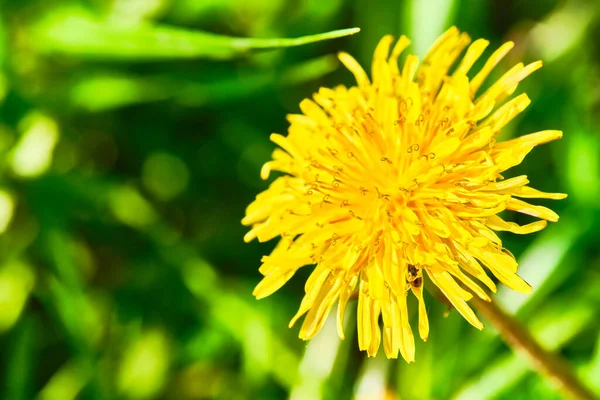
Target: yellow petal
{"type": "Point", "coordinates": [447, 285]}
{"type": "Point", "coordinates": [363, 318]}
{"type": "Point", "coordinates": [494, 257]}
{"type": "Point", "coordinates": [511, 279]}
{"type": "Point", "coordinates": [469, 264]}
{"type": "Point", "coordinates": [475, 141]}
{"type": "Point", "coordinates": [409, 69]}
{"type": "Point", "coordinates": [302, 121]}
{"type": "Point", "coordinates": [396, 324]}
{"type": "Point", "coordinates": [399, 47]}
{"type": "Point", "coordinates": [506, 183]}
{"type": "Point", "coordinates": [410, 221]}
{"type": "Point", "coordinates": [473, 53]}
{"type": "Point", "coordinates": [353, 66]}
{"type": "Point", "coordinates": [376, 282]}
{"type": "Point", "coordinates": [250, 236]}
{"type": "Point", "coordinates": [407, 340]}
{"type": "Point", "coordinates": [484, 231]}
{"type": "Point", "coordinates": [504, 268]}
{"type": "Point", "coordinates": [507, 112]}
{"type": "Point", "coordinates": [498, 224]}
{"type": "Point", "coordinates": [445, 37]}
{"type": "Point", "coordinates": [477, 212]}
{"type": "Point", "coordinates": [508, 158]}
{"type": "Point", "coordinates": [312, 288]}
{"type": "Point", "coordinates": [383, 48]}
{"type": "Point", "coordinates": [387, 262]}
{"type": "Point", "coordinates": [445, 148]}
{"type": "Point", "coordinates": [314, 112]}
{"type": "Point", "coordinates": [346, 293]}
{"type": "Point", "coordinates": [321, 307]}
{"type": "Point", "coordinates": [398, 273]}
{"type": "Point", "coordinates": [531, 193]}
{"type": "Point", "coordinates": [436, 64]}
{"type": "Point", "coordinates": [423, 320]}
{"type": "Point", "coordinates": [475, 288]}
{"type": "Point", "coordinates": [495, 58]}
{"type": "Point", "coordinates": [478, 242]}
{"type": "Point", "coordinates": [272, 282]}
{"type": "Point", "coordinates": [509, 80]}
{"type": "Point", "coordinates": [531, 140]}
{"type": "Point", "coordinates": [534, 211]}
{"type": "Point", "coordinates": [436, 226]}
{"type": "Point", "coordinates": [390, 344]}
{"type": "Point", "coordinates": [375, 331]}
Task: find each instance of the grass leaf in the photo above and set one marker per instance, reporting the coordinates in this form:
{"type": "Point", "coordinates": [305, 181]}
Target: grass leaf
{"type": "Point", "coordinates": [77, 34]}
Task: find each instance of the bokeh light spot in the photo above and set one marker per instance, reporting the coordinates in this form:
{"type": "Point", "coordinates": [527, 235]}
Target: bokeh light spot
{"type": "Point", "coordinates": [16, 282]}
{"type": "Point", "coordinates": [144, 366]}
{"type": "Point", "coordinates": [131, 208]}
{"type": "Point", "coordinates": [165, 176]}
{"type": "Point", "coordinates": [7, 206]}
{"type": "Point", "coordinates": [32, 155]}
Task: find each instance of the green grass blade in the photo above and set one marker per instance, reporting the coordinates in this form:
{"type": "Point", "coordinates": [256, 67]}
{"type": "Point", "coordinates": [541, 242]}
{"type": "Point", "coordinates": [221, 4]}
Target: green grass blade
{"type": "Point", "coordinates": [106, 91]}
{"type": "Point", "coordinates": [553, 327]}
{"type": "Point", "coordinates": [20, 361]}
{"type": "Point", "coordinates": [78, 34]}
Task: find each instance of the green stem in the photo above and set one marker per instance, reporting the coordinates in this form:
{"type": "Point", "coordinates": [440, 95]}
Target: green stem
{"type": "Point", "coordinates": [545, 362]}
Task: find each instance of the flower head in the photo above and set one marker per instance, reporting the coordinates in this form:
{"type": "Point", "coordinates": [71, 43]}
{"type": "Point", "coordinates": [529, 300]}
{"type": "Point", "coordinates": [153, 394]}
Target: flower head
{"type": "Point", "coordinates": [397, 181]}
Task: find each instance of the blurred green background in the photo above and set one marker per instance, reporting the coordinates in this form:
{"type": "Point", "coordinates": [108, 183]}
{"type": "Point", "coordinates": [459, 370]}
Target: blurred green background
{"type": "Point", "coordinates": [131, 144]}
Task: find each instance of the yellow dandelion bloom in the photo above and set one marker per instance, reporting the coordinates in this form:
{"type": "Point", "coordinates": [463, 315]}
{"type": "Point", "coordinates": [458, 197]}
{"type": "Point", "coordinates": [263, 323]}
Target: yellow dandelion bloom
{"type": "Point", "coordinates": [395, 181]}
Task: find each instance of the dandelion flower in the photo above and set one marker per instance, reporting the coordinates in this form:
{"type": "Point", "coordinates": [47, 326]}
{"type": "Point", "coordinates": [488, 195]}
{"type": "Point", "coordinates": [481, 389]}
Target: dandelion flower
{"type": "Point", "coordinates": [396, 181]}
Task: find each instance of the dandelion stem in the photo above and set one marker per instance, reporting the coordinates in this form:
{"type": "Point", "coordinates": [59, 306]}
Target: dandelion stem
{"type": "Point", "coordinates": [543, 361]}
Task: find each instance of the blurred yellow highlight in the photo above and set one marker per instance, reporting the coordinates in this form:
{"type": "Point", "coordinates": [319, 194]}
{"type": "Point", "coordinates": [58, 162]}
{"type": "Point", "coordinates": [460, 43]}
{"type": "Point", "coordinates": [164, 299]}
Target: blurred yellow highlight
{"type": "Point", "coordinates": [165, 176]}
{"type": "Point", "coordinates": [16, 282]}
{"type": "Point", "coordinates": [131, 208]}
{"type": "Point", "coordinates": [562, 30]}
{"type": "Point", "coordinates": [7, 206]}
{"type": "Point", "coordinates": [371, 383]}
{"type": "Point", "coordinates": [143, 369]}
{"type": "Point", "coordinates": [66, 383]}
{"type": "Point", "coordinates": [583, 156]}
{"type": "Point", "coordinates": [317, 363]}
{"type": "Point", "coordinates": [32, 155]}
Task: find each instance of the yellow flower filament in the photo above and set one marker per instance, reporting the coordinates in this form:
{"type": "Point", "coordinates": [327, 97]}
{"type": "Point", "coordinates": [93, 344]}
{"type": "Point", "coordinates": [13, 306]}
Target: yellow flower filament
{"type": "Point", "coordinates": [395, 181]}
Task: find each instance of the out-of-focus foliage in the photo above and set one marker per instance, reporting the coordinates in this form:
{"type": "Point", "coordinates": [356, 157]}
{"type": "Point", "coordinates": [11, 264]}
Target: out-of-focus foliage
{"type": "Point", "coordinates": [132, 133]}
